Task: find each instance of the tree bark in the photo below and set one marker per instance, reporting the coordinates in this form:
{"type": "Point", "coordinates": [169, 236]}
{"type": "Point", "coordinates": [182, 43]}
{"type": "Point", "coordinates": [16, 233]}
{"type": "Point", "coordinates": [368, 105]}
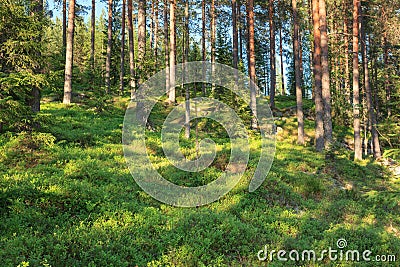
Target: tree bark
{"type": "Point", "coordinates": [346, 57]}
{"type": "Point", "coordinates": [69, 53]}
{"type": "Point", "coordinates": [370, 106]}
{"type": "Point", "coordinates": [166, 45]}
{"type": "Point", "coordinates": [272, 54]}
{"type": "Point", "coordinates": [326, 91]}
{"type": "Point", "coordinates": [64, 24]}
{"type": "Point", "coordinates": [319, 106]}
{"type": "Point", "coordinates": [235, 54]}
{"type": "Point", "coordinates": [387, 81]}
{"type": "Point", "coordinates": [203, 42]}
{"type": "Point", "coordinates": [122, 66]}
{"type": "Point", "coordinates": [156, 31]}
{"type": "Point", "coordinates": [131, 50]}
{"type": "Point", "coordinates": [92, 35]}
{"type": "Point", "coordinates": [186, 53]}
{"type": "Point", "coordinates": [299, 95]}
{"type": "Point", "coordinates": [252, 63]}
{"type": "Point", "coordinates": [213, 47]}
{"type": "Point", "coordinates": [109, 44]}
{"type": "Point", "coordinates": [172, 49]}
{"type": "Point", "coordinates": [282, 69]}
{"type": "Point", "coordinates": [356, 86]}
{"type": "Point", "coordinates": [141, 36]}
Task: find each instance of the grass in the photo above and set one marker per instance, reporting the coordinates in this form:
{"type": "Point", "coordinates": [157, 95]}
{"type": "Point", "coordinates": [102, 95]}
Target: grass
{"type": "Point", "coordinates": [68, 199]}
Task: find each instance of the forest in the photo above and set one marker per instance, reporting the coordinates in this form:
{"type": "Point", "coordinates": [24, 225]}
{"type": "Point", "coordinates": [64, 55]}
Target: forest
{"type": "Point", "coordinates": [326, 73]}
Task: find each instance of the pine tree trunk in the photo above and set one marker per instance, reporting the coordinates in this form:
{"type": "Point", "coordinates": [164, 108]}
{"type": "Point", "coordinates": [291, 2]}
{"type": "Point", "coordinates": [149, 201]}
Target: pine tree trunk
{"type": "Point", "coordinates": [326, 91]}
{"type": "Point", "coordinates": [92, 35]}
{"type": "Point", "coordinates": [156, 32]}
{"type": "Point", "coordinates": [356, 86]}
{"type": "Point", "coordinates": [131, 50]}
{"type": "Point", "coordinates": [387, 81]}
{"type": "Point", "coordinates": [272, 54]}
{"type": "Point", "coordinates": [213, 47]}
{"type": "Point", "coordinates": [64, 24]}
{"type": "Point", "coordinates": [252, 63]}
{"type": "Point", "coordinates": [203, 43]}
{"type": "Point", "coordinates": [235, 54]}
{"type": "Point", "coordinates": [166, 45]}
{"type": "Point", "coordinates": [172, 50]}
{"type": "Point", "coordinates": [141, 36]}
{"type": "Point", "coordinates": [282, 69]}
{"type": "Point", "coordinates": [122, 66]}
{"type": "Point", "coordinates": [370, 106]}
{"type": "Point", "coordinates": [109, 44]}
{"type": "Point", "coordinates": [346, 58]}
{"type": "Point", "coordinates": [69, 53]}
{"type": "Point", "coordinates": [299, 95]}
{"type": "Point", "coordinates": [186, 86]}
{"type": "Point", "coordinates": [319, 106]}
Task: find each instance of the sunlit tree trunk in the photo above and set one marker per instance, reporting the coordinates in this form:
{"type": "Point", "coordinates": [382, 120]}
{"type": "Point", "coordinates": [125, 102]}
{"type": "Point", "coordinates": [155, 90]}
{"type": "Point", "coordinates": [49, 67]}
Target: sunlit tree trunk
{"type": "Point", "coordinates": [92, 35]}
{"type": "Point", "coordinates": [109, 44]}
{"type": "Point", "coordinates": [356, 86]}
{"type": "Point", "coordinates": [141, 36]}
{"type": "Point", "coordinates": [69, 53]}
{"type": "Point", "coordinates": [172, 50]}
{"type": "Point", "coordinates": [235, 54]}
{"type": "Point", "coordinates": [122, 66]}
{"type": "Point", "coordinates": [319, 106]}
{"type": "Point", "coordinates": [64, 24]}
{"type": "Point", "coordinates": [131, 50]}
{"type": "Point", "coordinates": [368, 92]}
{"type": "Point", "coordinates": [326, 91]}
{"type": "Point", "coordinates": [272, 54]}
{"type": "Point", "coordinates": [282, 68]}
{"type": "Point", "coordinates": [213, 27]}
{"type": "Point", "coordinates": [252, 62]}
{"type": "Point", "coordinates": [186, 86]}
{"type": "Point", "coordinates": [203, 42]}
{"type": "Point", "coordinates": [299, 95]}
{"type": "Point", "coordinates": [166, 45]}
{"type": "Point", "coordinates": [156, 31]}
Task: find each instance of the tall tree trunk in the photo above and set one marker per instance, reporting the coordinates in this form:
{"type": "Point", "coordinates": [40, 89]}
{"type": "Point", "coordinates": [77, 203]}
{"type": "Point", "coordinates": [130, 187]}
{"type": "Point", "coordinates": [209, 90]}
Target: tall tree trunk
{"type": "Point", "coordinates": [213, 27]}
{"type": "Point", "coordinates": [203, 42]}
{"type": "Point", "coordinates": [69, 53]}
{"type": "Point", "coordinates": [64, 24]}
{"type": "Point", "coordinates": [131, 50]}
{"type": "Point", "coordinates": [252, 62]}
{"type": "Point", "coordinates": [151, 32]}
{"type": "Point", "coordinates": [272, 54]}
{"type": "Point", "coordinates": [299, 95]}
{"type": "Point", "coordinates": [186, 86]}
{"type": "Point", "coordinates": [156, 31]}
{"type": "Point", "coordinates": [34, 101]}
{"type": "Point", "coordinates": [370, 106]}
{"type": "Point", "coordinates": [172, 50]}
{"type": "Point", "coordinates": [346, 57]}
{"type": "Point", "coordinates": [92, 35]}
{"type": "Point", "coordinates": [319, 106]}
{"type": "Point", "coordinates": [241, 25]}
{"type": "Point", "coordinates": [141, 36]}
{"type": "Point", "coordinates": [282, 69]}
{"type": "Point", "coordinates": [301, 62]}
{"type": "Point", "coordinates": [166, 45]}
{"type": "Point", "coordinates": [326, 91]}
{"type": "Point", "coordinates": [235, 54]}
{"type": "Point", "coordinates": [356, 86]}
{"type": "Point", "coordinates": [122, 66]}
{"type": "Point", "coordinates": [387, 81]}
{"type": "Point", "coordinates": [109, 44]}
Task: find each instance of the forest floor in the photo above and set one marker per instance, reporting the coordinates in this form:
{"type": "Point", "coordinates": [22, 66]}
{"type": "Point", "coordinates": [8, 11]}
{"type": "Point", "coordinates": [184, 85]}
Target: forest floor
{"type": "Point", "coordinates": [67, 199]}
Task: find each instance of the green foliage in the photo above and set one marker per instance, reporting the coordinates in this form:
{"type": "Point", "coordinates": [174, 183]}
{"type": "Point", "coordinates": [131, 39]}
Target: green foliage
{"type": "Point", "coordinates": [67, 199]}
